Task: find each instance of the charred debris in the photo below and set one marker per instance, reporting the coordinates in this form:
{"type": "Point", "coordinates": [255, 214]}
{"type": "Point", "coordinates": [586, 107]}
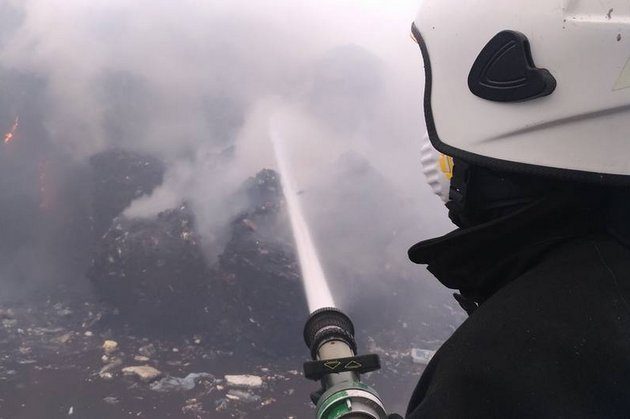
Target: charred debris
{"type": "Point", "coordinates": [156, 273]}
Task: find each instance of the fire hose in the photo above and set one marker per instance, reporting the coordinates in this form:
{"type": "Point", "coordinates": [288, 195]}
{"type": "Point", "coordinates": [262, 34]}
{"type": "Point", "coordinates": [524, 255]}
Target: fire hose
{"type": "Point", "coordinates": [329, 334]}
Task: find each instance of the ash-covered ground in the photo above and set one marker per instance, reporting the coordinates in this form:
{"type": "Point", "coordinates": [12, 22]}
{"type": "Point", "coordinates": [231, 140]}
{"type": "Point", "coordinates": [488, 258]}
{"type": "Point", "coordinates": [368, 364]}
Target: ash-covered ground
{"type": "Point", "coordinates": [159, 329]}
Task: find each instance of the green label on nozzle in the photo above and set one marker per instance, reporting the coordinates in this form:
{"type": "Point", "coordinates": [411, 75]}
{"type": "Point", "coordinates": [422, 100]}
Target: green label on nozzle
{"type": "Point", "coordinates": [334, 406]}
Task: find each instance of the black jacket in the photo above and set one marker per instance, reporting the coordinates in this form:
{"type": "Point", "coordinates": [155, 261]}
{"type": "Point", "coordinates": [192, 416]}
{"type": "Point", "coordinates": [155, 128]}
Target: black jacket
{"type": "Point", "coordinates": [551, 335]}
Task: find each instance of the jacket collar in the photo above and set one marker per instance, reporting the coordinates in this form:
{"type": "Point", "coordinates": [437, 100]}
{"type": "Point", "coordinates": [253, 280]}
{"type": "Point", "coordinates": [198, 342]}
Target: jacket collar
{"type": "Point", "coordinates": [480, 260]}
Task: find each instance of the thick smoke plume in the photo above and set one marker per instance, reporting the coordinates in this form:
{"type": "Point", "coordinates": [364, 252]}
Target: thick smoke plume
{"type": "Point", "coordinates": [195, 83]}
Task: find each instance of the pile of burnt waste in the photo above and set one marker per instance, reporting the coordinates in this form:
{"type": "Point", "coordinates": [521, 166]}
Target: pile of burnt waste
{"type": "Point", "coordinates": [260, 273]}
{"type": "Point", "coordinates": [156, 275]}
{"type": "Point", "coordinates": [153, 271]}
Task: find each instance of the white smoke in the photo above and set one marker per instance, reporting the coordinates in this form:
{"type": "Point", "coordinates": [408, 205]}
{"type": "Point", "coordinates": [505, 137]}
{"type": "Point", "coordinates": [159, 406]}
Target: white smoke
{"type": "Point", "coordinates": [194, 83]}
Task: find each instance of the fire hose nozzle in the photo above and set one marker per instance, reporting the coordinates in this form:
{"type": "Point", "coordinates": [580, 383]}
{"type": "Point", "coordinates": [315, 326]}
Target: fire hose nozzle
{"type": "Point", "coordinates": [328, 324]}
{"type": "Point", "coordinates": [329, 334]}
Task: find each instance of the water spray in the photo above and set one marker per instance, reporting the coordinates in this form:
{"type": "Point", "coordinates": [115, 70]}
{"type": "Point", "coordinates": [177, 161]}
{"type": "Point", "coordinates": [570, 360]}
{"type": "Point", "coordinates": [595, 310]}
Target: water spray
{"type": "Point", "coordinates": [315, 285]}
{"type": "Point", "coordinates": [329, 333]}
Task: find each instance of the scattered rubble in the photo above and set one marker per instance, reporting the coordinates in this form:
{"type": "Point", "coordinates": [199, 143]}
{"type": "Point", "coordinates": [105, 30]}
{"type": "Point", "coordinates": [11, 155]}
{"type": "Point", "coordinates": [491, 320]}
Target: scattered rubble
{"type": "Point", "coordinates": [221, 404]}
{"type": "Point", "coordinates": [169, 382]}
{"type": "Point", "coordinates": [7, 314]}
{"type": "Point", "coordinates": [421, 356]}
{"type": "Point", "coordinates": [262, 279]}
{"type": "Point", "coordinates": [244, 396]}
{"type": "Point", "coordinates": [147, 350]}
{"type": "Point", "coordinates": [244, 381]}
{"type": "Point", "coordinates": [193, 406]}
{"type": "Point", "coordinates": [154, 271]}
{"type": "Point", "coordinates": [110, 346]}
{"type": "Point", "coordinates": [187, 383]}
{"type": "Point", "coordinates": [62, 311]}
{"type": "Point", "coordinates": [145, 373]}
{"type": "Point", "coordinates": [63, 338]}
{"type": "Point", "coordinates": [107, 372]}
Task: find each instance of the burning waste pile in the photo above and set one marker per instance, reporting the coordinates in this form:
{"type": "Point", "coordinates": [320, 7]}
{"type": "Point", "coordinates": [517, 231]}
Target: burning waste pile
{"type": "Point", "coordinates": [156, 274]}
{"type": "Point", "coordinates": [259, 271]}
{"type": "Point", "coordinates": [154, 271]}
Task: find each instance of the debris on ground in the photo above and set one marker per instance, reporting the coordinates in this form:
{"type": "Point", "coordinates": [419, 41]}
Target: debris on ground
{"type": "Point", "coordinates": [154, 270]}
{"type": "Point", "coordinates": [187, 383]}
{"type": "Point", "coordinates": [110, 346]}
{"type": "Point", "coordinates": [64, 338]}
{"type": "Point", "coordinates": [145, 373]}
{"type": "Point", "coordinates": [243, 381]}
{"type": "Point", "coordinates": [421, 356]}
{"type": "Point", "coordinates": [35, 361]}
{"type": "Point", "coordinates": [7, 314]}
{"type": "Point", "coordinates": [156, 273]}
{"type": "Point", "coordinates": [242, 395]}
{"type": "Point", "coordinates": [107, 372]}
{"type": "Point", "coordinates": [194, 407]}
{"type": "Point", "coordinates": [257, 261]}
{"type": "Point", "coordinates": [61, 310]}
{"type": "Point", "coordinates": [147, 350]}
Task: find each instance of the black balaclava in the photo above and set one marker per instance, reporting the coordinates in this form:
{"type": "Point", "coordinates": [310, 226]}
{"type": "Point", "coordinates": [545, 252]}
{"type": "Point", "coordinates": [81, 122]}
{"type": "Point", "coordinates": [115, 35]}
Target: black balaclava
{"type": "Point", "coordinates": [479, 195]}
{"type": "Point", "coordinates": [507, 222]}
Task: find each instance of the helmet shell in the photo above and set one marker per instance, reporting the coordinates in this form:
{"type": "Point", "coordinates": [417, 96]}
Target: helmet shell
{"type": "Point", "coordinates": [581, 130]}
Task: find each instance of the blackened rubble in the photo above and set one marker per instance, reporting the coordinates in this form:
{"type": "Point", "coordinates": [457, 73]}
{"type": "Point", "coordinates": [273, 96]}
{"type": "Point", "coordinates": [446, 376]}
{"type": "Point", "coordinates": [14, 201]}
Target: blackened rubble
{"type": "Point", "coordinates": [259, 266]}
{"type": "Point", "coordinates": [154, 271]}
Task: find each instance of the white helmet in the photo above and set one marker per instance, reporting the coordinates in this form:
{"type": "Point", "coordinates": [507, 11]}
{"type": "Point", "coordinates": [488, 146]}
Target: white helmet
{"type": "Point", "coordinates": [537, 86]}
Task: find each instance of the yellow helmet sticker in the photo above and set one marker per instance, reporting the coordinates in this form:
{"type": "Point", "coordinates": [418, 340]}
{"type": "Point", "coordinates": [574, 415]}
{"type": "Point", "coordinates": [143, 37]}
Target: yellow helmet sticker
{"type": "Point", "coordinates": [446, 165]}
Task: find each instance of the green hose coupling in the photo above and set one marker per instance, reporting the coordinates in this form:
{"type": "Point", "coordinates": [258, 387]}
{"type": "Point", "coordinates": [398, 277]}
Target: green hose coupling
{"type": "Point", "coordinates": [351, 400]}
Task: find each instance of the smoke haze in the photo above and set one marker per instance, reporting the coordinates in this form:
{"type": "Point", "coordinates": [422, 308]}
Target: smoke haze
{"type": "Point", "coordinates": [195, 83]}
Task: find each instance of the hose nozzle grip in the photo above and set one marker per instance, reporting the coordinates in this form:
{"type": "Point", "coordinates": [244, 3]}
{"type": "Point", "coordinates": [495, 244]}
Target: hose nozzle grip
{"type": "Point", "coordinates": [316, 370]}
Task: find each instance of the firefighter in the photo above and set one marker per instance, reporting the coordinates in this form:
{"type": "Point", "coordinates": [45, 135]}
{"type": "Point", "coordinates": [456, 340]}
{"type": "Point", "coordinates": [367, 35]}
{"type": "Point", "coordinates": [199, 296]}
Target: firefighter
{"type": "Point", "coordinates": [527, 107]}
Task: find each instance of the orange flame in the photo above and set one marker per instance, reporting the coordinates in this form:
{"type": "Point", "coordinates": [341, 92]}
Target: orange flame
{"type": "Point", "coordinates": [8, 137]}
